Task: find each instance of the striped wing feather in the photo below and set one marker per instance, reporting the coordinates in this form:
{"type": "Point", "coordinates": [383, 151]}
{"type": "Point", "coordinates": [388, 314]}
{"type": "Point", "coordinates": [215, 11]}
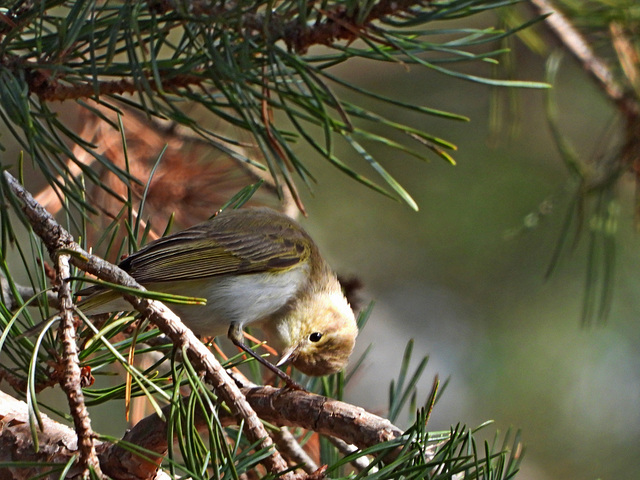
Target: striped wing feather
{"type": "Point", "coordinates": [231, 243]}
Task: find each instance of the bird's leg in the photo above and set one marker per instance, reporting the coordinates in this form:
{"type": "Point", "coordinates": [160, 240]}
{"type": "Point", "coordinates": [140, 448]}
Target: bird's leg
{"type": "Point", "coordinates": [235, 335]}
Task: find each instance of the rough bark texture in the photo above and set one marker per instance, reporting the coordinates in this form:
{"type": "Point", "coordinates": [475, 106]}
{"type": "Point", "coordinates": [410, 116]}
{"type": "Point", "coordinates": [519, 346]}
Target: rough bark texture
{"type": "Point", "coordinates": [350, 423]}
{"type": "Point", "coordinates": [57, 442]}
{"type": "Point", "coordinates": [58, 240]}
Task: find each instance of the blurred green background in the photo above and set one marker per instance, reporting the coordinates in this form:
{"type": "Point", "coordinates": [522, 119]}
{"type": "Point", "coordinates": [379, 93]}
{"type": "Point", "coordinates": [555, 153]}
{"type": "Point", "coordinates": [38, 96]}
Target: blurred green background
{"type": "Point", "coordinates": [465, 276]}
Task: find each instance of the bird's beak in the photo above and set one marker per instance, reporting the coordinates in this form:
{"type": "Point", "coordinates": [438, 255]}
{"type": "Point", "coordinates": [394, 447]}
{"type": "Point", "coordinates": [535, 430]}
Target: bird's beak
{"type": "Point", "coordinates": [288, 354]}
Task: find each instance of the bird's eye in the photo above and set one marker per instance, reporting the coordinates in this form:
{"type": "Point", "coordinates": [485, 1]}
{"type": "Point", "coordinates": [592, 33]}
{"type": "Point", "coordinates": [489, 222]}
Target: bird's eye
{"type": "Point", "coordinates": [315, 337]}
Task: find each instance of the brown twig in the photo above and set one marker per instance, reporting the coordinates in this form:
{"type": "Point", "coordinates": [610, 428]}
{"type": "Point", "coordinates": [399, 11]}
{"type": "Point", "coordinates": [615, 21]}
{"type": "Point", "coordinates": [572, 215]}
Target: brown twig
{"type": "Point", "coordinates": [360, 463]}
{"type": "Point", "coordinates": [24, 292]}
{"type": "Point", "coordinates": [49, 89]}
{"type": "Point", "coordinates": [20, 384]}
{"type": "Point", "coordinates": [57, 442]}
{"type": "Point", "coordinates": [339, 24]}
{"type": "Point", "coordinates": [578, 46]}
{"type": "Point", "coordinates": [323, 415]}
{"type": "Point", "coordinates": [336, 24]}
{"type": "Point", "coordinates": [293, 451]}
{"type": "Point", "coordinates": [357, 426]}
{"type": "Point", "coordinates": [628, 57]}
{"type": "Point", "coordinates": [350, 423]}
{"type": "Point", "coordinates": [70, 380]}
{"type": "Point", "coordinates": [57, 240]}
{"type": "Point", "coordinates": [625, 101]}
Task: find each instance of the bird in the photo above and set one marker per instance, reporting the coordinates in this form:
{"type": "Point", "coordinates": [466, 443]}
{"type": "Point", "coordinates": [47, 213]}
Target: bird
{"type": "Point", "coordinates": [253, 266]}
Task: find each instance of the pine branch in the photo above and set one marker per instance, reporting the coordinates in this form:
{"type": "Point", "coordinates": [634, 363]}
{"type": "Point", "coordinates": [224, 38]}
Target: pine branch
{"type": "Point", "coordinates": [596, 177]}
{"type": "Point", "coordinates": [292, 451]}
{"type": "Point", "coordinates": [70, 381]}
{"type": "Point", "coordinates": [57, 240]}
{"type": "Point", "coordinates": [330, 417]}
{"type": "Point", "coordinates": [159, 56]}
{"type": "Point", "coordinates": [57, 442]}
{"type": "Point", "coordinates": [575, 43]}
{"type": "Point", "coordinates": [332, 24]}
{"type": "Point", "coordinates": [49, 89]}
{"type": "Point", "coordinates": [24, 293]}
{"type": "Point", "coordinates": [323, 415]}
{"type": "Point", "coordinates": [359, 463]}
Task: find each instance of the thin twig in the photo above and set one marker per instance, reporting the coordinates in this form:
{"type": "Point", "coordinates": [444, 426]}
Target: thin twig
{"type": "Point", "coordinates": [25, 293]}
{"type": "Point", "coordinates": [627, 54]}
{"type": "Point", "coordinates": [293, 451]}
{"type": "Point", "coordinates": [575, 43]}
{"type": "Point", "coordinates": [20, 384]}
{"type": "Point", "coordinates": [360, 463]}
{"type": "Point", "coordinates": [604, 77]}
{"type": "Point", "coordinates": [58, 240]}
{"type": "Point", "coordinates": [70, 381]}
{"type": "Point", "coordinates": [51, 90]}
{"type": "Point", "coordinates": [339, 24]}
{"type": "Point", "coordinates": [573, 40]}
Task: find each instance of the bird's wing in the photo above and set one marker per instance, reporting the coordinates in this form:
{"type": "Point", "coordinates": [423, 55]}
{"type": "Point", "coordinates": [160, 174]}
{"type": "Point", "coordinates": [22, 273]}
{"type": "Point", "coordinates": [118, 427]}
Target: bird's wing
{"type": "Point", "coordinates": [219, 247]}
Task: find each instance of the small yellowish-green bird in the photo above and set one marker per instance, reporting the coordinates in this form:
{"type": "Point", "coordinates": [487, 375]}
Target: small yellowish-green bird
{"type": "Point", "coordinates": [252, 265]}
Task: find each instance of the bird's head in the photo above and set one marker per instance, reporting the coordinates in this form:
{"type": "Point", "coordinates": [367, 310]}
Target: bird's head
{"type": "Point", "coordinates": [319, 334]}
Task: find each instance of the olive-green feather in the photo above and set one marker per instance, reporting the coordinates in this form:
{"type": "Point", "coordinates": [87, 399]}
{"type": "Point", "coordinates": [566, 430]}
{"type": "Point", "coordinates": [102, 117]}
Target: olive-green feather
{"type": "Point", "coordinates": [226, 244]}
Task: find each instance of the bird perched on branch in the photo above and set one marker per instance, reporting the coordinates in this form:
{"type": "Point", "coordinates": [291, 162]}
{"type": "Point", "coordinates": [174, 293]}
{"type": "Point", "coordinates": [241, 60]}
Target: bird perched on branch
{"type": "Point", "coordinates": [252, 266]}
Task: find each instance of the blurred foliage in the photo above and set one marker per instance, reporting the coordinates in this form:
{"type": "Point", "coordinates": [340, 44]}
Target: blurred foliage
{"type": "Point", "coordinates": [612, 28]}
{"type": "Point", "coordinates": [159, 57]}
{"type": "Point", "coordinates": [603, 36]}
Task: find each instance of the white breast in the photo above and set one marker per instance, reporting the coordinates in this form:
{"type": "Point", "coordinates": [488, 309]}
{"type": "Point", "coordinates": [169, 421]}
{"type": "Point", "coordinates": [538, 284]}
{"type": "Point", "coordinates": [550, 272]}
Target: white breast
{"type": "Point", "coordinates": [234, 299]}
